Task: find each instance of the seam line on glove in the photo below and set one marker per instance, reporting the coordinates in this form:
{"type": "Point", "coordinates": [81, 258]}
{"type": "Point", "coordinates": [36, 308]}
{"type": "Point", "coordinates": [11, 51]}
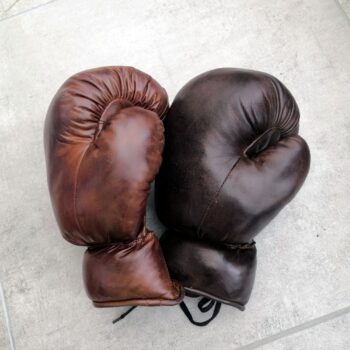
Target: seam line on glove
{"type": "Point", "coordinates": [212, 202]}
{"type": "Point", "coordinates": [75, 194]}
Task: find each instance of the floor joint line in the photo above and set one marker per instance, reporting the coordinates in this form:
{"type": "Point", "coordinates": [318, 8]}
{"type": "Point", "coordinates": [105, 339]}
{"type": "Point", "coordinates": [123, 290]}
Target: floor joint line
{"type": "Point", "coordinates": [299, 328]}
{"type": "Point", "coordinates": [7, 318]}
{"type": "Point", "coordinates": [26, 11]}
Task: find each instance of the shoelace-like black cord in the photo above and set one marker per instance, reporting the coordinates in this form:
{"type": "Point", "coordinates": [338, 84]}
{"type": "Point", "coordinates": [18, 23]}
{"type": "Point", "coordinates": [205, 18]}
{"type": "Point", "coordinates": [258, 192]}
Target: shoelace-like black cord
{"type": "Point", "coordinates": [204, 305]}
{"type": "Point", "coordinates": [127, 312]}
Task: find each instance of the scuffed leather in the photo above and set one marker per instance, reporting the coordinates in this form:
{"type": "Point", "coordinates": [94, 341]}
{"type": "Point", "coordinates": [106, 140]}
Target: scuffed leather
{"type": "Point", "coordinates": [232, 160]}
{"type": "Point", "coordinates": [128, 270]}
{"type": "Point", "coordinates": [103, 144]}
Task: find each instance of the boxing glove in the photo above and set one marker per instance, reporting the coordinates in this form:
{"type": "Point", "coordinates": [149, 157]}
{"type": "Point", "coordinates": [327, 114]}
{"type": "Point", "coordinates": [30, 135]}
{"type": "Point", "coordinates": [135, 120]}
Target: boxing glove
{"type": "Point", "coordinates": [103, 142]}
{"type": "Point", "coordinates": [232, 160]}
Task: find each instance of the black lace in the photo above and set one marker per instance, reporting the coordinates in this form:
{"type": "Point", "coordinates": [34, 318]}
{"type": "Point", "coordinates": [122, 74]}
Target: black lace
{"type": "Point", "coordinates": [204, 305]}
{"type": "Point", "coordinates": [127, 312]}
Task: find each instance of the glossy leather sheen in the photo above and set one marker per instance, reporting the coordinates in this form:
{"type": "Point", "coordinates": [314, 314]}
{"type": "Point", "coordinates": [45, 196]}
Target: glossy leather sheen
{"type": "Point", "coordinates": [232, 160]}
{"type": "Point", "coordinates": [103, 143]}
{"type": "Point", "coordinates": [127, 270]}
{"type": "Point", "coordinates": [205, 267]}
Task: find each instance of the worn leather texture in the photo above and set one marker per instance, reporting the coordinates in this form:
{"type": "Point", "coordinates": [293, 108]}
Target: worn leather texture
{"type": "Point", "coordinates": [232, 160]}
{"type": "Point", "coordinates": [103, 142]}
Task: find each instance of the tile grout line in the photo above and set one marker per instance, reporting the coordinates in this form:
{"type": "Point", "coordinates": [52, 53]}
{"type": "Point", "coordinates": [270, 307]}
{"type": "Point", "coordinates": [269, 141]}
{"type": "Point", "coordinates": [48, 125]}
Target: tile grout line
{"type": "Point", "coordinates": [26, 11]}
{"type": "Point", "coordinates": [7, 318]}
{"type": "Point", "coordinates": [299, 328]}
{"type": "Point", "coordinates": [341, 8]}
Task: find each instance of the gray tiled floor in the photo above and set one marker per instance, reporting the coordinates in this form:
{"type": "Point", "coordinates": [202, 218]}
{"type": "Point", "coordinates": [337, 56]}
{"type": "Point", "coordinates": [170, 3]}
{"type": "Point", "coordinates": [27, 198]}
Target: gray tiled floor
{"type": "Point", "coordinates": [304, 261]}
{"type": "Point", "coordinates": [12, 8]}
{"type": "Point", "coordinates": [345, 4]}
{"type": "Point", "coordinates": [329, 335]}
{"type": "Point", "coordinates": [3, 335]}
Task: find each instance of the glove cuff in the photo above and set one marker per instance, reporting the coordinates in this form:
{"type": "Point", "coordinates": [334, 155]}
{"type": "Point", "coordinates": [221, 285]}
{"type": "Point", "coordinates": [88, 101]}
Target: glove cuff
{"type": "Point", "coordinates": [222, 272]}
{"type": "Point", "coordinates": [129, 274]}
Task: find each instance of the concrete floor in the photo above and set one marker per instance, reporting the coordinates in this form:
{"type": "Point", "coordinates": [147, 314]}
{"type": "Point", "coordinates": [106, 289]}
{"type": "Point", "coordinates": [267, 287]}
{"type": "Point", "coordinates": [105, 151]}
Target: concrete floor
{"type": "Point", "coordinates": [301, 298]}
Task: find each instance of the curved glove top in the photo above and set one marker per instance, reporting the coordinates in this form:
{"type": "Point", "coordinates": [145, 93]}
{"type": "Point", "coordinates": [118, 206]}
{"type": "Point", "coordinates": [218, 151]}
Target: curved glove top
{"type": "Point", "coordinates": [103, 143]}
{"type": "Point", "coordinates": [235, 132]}
{"type": "Point", "coordinates": [232, 160]}
{"type": "Point", "coordinates": [104, 140]}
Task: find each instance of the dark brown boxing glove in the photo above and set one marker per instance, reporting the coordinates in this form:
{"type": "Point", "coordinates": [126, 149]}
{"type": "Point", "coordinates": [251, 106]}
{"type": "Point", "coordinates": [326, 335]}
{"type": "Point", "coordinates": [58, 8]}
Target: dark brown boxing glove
{"type": "Point", "coordinates": [103, 145]}
{"type": "Point", "coordinates": [232, 160]}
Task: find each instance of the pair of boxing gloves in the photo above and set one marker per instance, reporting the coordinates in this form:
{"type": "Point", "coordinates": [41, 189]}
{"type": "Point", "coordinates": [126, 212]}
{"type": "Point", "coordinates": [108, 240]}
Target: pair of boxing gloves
{"type": "Point", "coordinates": [226, 158]}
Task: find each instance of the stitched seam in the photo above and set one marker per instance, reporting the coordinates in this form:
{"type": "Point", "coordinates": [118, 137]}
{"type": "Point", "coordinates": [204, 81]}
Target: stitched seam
{"type": "Point", "coordinates": [79, 166]}
{"type": "Point", "coordinates": [211, 203]}
{"type": "Point", "coordinates": [75, 189]}
{"type": "Point", "coordinates": [75, 194]}
{"type": "Point", "coordinates": [122, 245]}
{"type": "Point", "coordinates": [130, 300]}
{"type": "Point", "coordinates": [101, 118]}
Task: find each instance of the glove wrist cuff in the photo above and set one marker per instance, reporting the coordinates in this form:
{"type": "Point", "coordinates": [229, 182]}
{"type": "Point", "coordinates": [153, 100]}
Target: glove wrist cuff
{"type": "Point", "coordinates": [132, 273]}
{"type": "Point", "coordinates": [223, 272]}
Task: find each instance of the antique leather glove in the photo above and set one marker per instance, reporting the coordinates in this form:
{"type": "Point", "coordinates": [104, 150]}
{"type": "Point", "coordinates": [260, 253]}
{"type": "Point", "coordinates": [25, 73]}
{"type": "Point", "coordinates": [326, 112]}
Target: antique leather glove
{"type": "Point", "coordinates": [232, 160]}
{"type": "Point", "coordinates": [103, 144]}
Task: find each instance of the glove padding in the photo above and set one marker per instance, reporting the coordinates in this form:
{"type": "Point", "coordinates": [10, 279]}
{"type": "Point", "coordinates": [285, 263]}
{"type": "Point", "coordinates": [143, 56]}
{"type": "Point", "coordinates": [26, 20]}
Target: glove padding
{"type": "Point", "coordinates": [103, 143]}
{"type": "Point", "coordinates": [232, 160]}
